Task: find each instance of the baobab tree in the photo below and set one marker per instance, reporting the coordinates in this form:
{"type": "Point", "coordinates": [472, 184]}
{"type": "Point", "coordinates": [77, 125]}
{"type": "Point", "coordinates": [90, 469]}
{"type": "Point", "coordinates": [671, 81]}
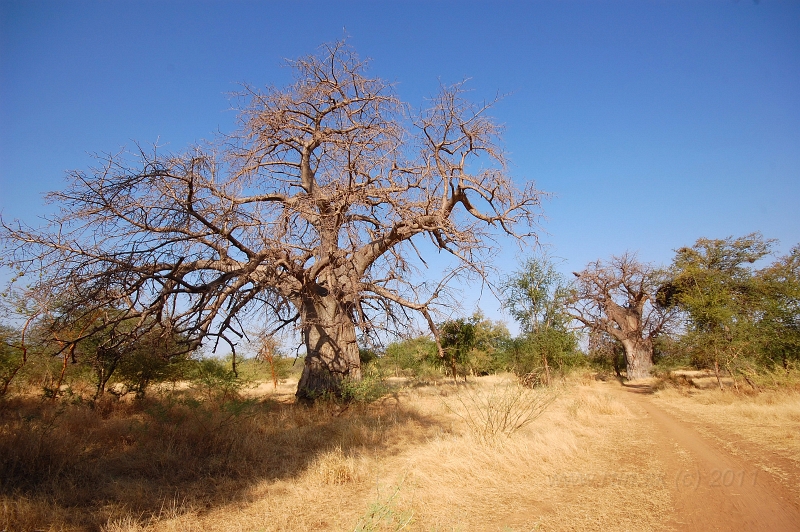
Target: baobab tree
{"type": "Point", "coordinates": [618, 298]}
{"type": "Point", "coordinates": [311, 214]}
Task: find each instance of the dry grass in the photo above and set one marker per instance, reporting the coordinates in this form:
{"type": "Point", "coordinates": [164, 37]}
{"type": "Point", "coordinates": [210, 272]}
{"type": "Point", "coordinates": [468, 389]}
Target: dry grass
{"type": "Point", "coordinates": [73, 467]}
{"type": "Point", "coordinates": [494, 412]}
{"type": "Point", "coordinates": [407, 463]}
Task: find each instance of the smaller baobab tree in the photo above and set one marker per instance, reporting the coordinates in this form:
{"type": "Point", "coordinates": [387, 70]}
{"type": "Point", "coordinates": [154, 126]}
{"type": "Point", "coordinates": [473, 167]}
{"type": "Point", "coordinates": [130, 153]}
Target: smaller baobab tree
{"type": "Point", "coordinates": [618, 298]}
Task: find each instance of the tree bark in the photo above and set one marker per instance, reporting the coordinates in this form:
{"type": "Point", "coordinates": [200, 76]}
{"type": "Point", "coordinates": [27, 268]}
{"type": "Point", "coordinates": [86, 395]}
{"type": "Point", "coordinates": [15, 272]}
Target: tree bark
{"type": "Point", "coordinates": [638, 358]}
{"type": "Point", "coordinates": [332, 354]}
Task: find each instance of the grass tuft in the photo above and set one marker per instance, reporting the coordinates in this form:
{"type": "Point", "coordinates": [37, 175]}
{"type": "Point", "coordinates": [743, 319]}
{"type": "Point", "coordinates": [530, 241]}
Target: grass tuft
{"type": "Point", "coordinates": [500, 410]}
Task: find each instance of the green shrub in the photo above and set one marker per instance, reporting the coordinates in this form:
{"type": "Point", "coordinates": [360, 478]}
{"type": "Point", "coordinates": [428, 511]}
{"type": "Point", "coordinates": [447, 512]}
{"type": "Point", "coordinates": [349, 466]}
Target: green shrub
{"type": "Point", "coordinates": [409, 357]}
{"type": "Point", "coordinates": [366, 355]}
{"type": "Point", "coordinates": [546, 352]}
{"type": "Point", "coordinates": [143, 367]}
{"type": "Point", "coordinates": [370, 388]}
{"type": "Point", "coordinates": [214, 379]}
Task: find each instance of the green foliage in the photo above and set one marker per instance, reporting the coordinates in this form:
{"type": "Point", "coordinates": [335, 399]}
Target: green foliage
{"type": "Point", "coordinates": [143, 367]}
{"type": "Point", "coordinates": [458, 339]}
{"type": "Point", "coordinates": [366, 356]}
{"type": "Point", "coordinates": [473, 345]}
{"type": "Point", "coordinates": [215, 379]}
{"type": "Point", "coordinates": [669, 352]}
{"type": "Point", "coordinates": [535, 295]}
{"type": "Point", "coordinates": [738, 318]}
{"type": "Point", "coordinates": [152, 358]}
{"type": "Point", "coordinates": [10, 356]}
{"type": "Point", "coordinates": [544, 353]}
{"type": "Point", "coordinates": [414, 357]}
{"type": "Point", "coordinates": [713, 281]}
{"type": "Point", "coordinates": [370, 388]}
{"type": "Point", "coordinates": [779, 319]}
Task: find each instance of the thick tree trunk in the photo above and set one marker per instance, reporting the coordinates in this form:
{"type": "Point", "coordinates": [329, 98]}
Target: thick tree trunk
{"type": "Point", "coordinates": [638, 358]}
{"type": "Point", "coordinates": [331, 348]}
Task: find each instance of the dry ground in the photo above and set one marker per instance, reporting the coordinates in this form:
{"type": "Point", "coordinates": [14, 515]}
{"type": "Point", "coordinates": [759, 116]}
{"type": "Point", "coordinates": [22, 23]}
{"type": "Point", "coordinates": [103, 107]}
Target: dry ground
{"type": "Point", "coordinates": [600, 457]}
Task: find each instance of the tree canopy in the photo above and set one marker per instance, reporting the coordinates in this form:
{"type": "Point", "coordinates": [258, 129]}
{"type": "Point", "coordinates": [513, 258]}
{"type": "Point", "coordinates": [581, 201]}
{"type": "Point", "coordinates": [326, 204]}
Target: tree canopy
{"type": "Point", "coordinates": [310, 214]}
{"type": "Point", "coordinates": [738, 317]}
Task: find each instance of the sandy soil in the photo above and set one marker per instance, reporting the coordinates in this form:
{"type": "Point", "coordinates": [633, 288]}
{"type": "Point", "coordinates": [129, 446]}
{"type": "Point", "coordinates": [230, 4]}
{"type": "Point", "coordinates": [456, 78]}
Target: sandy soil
{"type": "Point", "coordinates": [713, 488]}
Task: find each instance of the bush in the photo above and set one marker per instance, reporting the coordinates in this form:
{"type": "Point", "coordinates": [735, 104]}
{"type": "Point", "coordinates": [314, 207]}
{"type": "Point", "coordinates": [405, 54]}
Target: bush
{"type": "Point", "coordinates": [10, 357]}
{"type": "Point", "coordinates": [215, 380]}
{"type": "Point", "coordinates": [501, 411]}
{"type": "Point", "coordinates": [410, 358]}
{"type": "Point", "coordinates": [141, 368]}
{"type": "Point", "coordinates": [669, 353]}
{"type": "Point", "coordinates": [367, 356]}
{"type": "Point", "coordinates": [370, 388]}
{"type": "Point", "coordinates": [473, 346]}
{"type": "Point", "coordinates": [545, 353]}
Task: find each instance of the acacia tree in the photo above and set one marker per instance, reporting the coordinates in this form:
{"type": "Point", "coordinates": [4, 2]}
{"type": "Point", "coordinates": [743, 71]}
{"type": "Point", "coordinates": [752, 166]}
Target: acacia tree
{"type": "Point", "coordinates": [734, 311]}
{"type": "Point", "coordinates": [618, 298]}
{"type": "Point", "coordinates": [310, 214]}
{"type": "Point", "coordinates": [780, 317]}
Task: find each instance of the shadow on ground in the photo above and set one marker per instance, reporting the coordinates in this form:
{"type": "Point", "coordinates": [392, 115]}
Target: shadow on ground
{"type": "Point", "coordinates": [93, 464]}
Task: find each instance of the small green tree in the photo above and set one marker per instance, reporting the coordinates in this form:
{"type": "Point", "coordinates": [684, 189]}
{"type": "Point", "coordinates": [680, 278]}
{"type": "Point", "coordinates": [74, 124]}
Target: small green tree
{"type": "Point", "coordinates": [458, 338]}
{"type": "Point", "coordinates": [488, 353]}
{"type": "Point", "coordinates": [152, 359]}
{"type": "Point", "coordinates": [535, 357]}
{"type": "Point", "coordinates": [416, 356]}
{"type": "Point", "coordinates": [535, 295]}
{"type": "Point", "coordinates": [472, 345]}
{"type": "Point", "coordinates": [714, 283]}
{"type": "Point", "coordinates": [779, 313]}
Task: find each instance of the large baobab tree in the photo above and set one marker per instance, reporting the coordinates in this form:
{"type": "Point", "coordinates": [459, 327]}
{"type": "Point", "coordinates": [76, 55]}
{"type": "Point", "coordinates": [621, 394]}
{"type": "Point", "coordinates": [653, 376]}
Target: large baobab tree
{"type": "Point", "coordinates": [618, 298]}
{"type": "Point", "coordinates": [311, 214]}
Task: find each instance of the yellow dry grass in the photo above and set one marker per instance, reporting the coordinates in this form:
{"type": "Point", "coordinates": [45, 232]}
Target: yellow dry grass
{"type": "Point", "coordinates": [409, 462]}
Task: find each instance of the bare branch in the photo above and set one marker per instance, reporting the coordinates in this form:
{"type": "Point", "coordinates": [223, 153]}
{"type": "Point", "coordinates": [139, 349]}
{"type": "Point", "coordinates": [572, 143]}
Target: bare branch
{"type": "Point", "coordinates": [307, 213]}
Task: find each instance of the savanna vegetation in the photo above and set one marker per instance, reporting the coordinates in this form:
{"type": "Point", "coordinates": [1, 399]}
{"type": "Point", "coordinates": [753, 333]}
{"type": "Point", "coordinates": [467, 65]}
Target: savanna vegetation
{"type": "Point", "coordinates": [119, 411]}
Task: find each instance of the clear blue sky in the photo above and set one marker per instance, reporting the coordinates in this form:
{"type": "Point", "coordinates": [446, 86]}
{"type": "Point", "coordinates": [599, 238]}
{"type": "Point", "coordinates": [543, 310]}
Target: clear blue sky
{"type": "Point", "coordinates": [653, 123]}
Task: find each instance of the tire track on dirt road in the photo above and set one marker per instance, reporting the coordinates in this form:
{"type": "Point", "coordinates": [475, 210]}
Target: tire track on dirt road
{"type": "Point", "coordinates": [712, 489]}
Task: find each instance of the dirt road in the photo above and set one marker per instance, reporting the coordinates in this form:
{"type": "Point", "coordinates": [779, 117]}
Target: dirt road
{"type": "Point", "coordinates": [712, 488]}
